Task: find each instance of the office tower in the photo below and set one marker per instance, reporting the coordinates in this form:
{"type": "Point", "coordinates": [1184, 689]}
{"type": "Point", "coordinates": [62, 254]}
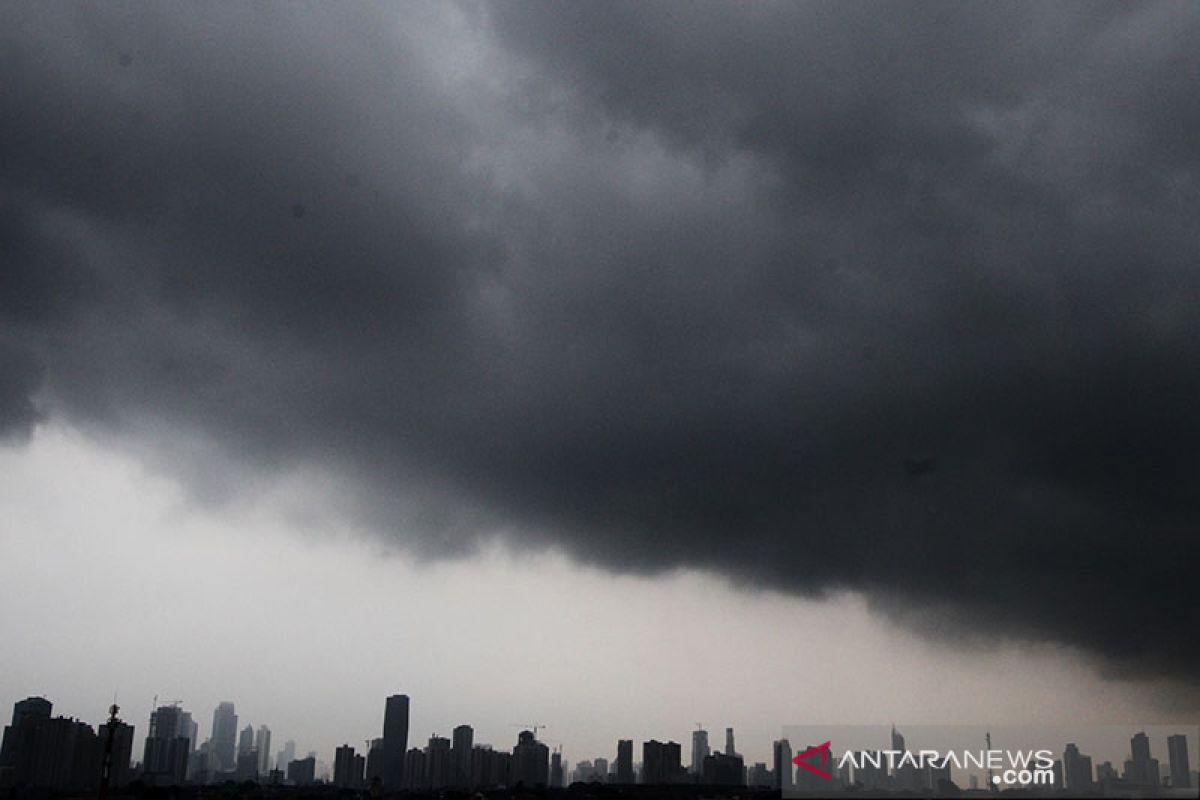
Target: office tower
{"type": "Point", "coordinates": [661, 762]}
{"type": "Point", "coordinates": [189, 729]}
{"type": "Point", "coordinates": [165, 757]}
{"type": "Point", "coordinates": [224, 737]}
{"type": "Point", "coordinates": [245, 741]}
{"type": "Point", "coordinates": [1177, 753]}
{"type": "Point", "coordinates": [18, 752]}
{"type": "Point", "coordinates": [347, 768]}
{"type": "Point", "coordinates": [871, 770]}
{"type": "Point", "coordinates": [729, 748]}
{"type": "Point", "coordinates": [121, 772]}
{"type": "Point", "coordinates": [699, 750]}
{"type": "Point", "coordinates": [1077, 769]}
{"type": "Point", "coordinates": [760, 776]}
{"type": "Point", "coordinates": [722, 770]}
{"type": "Point", "coordinates": [375, 761]}
{"type": "Point", "coordinates": [437, 762]}
{"type": "Point", "coordinates": [556, 770]}
{"type": "Point", "coordinates": [414, 770]}
{"type": "Point", "coordinates": [302, 772]}
{"type": "Point", "coordinates": [395, 740]}
{"type": "Point", "coordinates": [460, 757]}
{"type": "Point", "coordinates": [601, 768]}
{"type": "Point", "coordinates": [262, 743]}
{"type": "Point", "coordinates": [1141, 768]}
{"type": "Point", "coordinates": [530, 761]}
{"type": "Point", "coordinates": [625, 761]}
{"type": "Point", "coordinates": [905, 776]}
{"type": "Point", "coordinates": [783, 765]}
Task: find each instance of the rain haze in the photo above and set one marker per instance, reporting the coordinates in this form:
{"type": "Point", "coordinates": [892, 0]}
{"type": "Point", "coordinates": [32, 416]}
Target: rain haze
{"type": "Point", "coordinates": [611, 366]}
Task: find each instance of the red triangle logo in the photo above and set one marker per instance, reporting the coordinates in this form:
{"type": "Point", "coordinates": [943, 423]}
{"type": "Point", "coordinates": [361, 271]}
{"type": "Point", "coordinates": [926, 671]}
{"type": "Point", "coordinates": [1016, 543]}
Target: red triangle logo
{"type": "Point", "coordinates": [823, 749]}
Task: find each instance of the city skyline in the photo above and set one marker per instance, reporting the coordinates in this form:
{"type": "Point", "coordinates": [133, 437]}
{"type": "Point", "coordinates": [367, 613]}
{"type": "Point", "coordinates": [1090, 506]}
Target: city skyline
{"type": "Point", "coordinates": [41, 750]}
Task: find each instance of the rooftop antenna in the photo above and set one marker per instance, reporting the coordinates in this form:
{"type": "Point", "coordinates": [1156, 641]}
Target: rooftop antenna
{"type": "Point", "coordinates": [107, 759]}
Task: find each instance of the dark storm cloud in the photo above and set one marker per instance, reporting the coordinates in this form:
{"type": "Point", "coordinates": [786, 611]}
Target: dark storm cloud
{"type": "Point", "coordinates": [900, 299]}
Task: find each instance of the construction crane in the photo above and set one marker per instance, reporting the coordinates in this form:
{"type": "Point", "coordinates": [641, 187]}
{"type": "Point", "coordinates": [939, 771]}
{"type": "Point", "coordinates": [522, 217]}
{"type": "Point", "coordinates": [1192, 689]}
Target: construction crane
{"type": "Point", "coordinates": [530, 726]}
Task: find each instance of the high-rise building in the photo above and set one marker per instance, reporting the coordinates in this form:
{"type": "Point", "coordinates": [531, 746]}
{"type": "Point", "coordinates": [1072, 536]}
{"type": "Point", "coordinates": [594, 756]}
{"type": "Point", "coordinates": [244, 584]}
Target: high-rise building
{"type": "Point", "coordinates": [730, 750]}
{"type": "Point", "coordinates": [224, 737]}
{"type": "Point", "coordinates": [165, 757]}
{"type": "Point", "coordinates": [245, 740]}
{"type": "Point", "coordinates": [189, 729]}
{"type": "Point", "coordinates": [699, 750]}
{"type": "Point", "coordinates": [375, 761]}
{"type": "Point", "coordinates": [302, 772]}
{"type": "Point", "coordinates": [723, 770]}
{"type": "Point", "coordinates": [121, 772]}
{"type": "Point", "coordinates": [18, 751]}
{"type": "Point", "coordinates": [262, 743]}
{"type": "Point", "coordinates": [556, 770]}
{"type": "Point", "coordinates": [414, 770]}
{"type": "Point", "coordinates": [601, 767]}
{"type": "Point", "coordinates": [1077, 769]}
{"type": "Point", "coordinates": [1141, 768]}
{"type": "Point", "coordinates": [347, 768]}
{"type": "Point", "coordinates": [460, 757]}
{"type": "Point", "coordinates": [1177, 754]}
{"type": "Point", "coordinates": [783, 765]}
{"type": "Point", "coordinates": [661, 762]}
{"type": "Point", "coordinates": [395, 740]}
{"type": "Point", "coordinates": [625, 761]}
{"type": "Point", "coordinates": [530, 761]}
{"type": "Point", "coordinates": [437, 762]}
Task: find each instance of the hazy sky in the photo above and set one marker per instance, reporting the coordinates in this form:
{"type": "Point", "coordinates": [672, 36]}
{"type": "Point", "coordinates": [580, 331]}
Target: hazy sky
{"type": "Point", "coordinates": [615, 366]}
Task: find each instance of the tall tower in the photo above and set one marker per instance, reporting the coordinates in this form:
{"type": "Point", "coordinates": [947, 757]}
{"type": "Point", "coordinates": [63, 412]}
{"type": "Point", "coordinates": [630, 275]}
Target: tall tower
{"type": "Point", "coordinates": [699, 750]}
{"type": "Point", "coordinates": [262, 743]}
{"type": "Point", "coordinates": [395, 740]}
{"type": "Point", "coordinates": [729, 749]}
{"type": "Point", "coordinates": [625, 761]}
{"type": "Point", "coordinates": [460, 757]}
{"type": "Point", "coordinates": [224, 737]}
{"type": "Point", "coordinates": [1177, 754]}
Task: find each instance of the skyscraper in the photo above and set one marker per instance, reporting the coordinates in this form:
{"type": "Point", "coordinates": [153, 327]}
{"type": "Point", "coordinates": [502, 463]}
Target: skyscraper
{"type": "Point", "coordinates": [556, 770]}
{"type": "Point", "coordinates": [530, 761]}
{"type": "Point", "coordinates": [262, 743]}
{"type": "Point", "coordinates": [395, 740]}
{"type": "Point", "coordinates": [1077, 769]}
{"type": "Point", "coordinates": [624, 761]}
{"type": "Point", "coordinates": [699, 750]}
{"type": "Point", "coordinates": [347, 768]}
{"type": "Point", "coordinates": [460, 757]}
{"type": "Point", "coordinates": [165, 758]}
{"type": "Point", "coordinates": [729, 748]}
{"type": "Point", "coordinates": [783, 765]}
{"type": "Point", "coordinates": [660, 762]}
{"type": "Point", "coordinates": [1177, 752]}
{"type": "Point", "coordinates": [437, 762]}
{"type": "Point", "coordinates": [245, 741]}
{"type": "Point", "coordinates": [224, 737]}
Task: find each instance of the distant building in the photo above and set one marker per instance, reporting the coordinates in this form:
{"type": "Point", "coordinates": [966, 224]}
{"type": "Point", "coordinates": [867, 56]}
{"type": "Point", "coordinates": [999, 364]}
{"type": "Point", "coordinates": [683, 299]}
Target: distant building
{"type": "Point", "coordinates": [556, 770]}
{"type": "Point", "coordinates": [302, 772]}
{"type": "Point", "coordinates": [600, 765]}
{"type": "Point", "coordinates": [246, 768]}
{"type": "Point", "coordinates": [165, 756]}
{"type": "Point", "coordinates": [530, 761]}
{"type": "Point", "coordinates": [395, 740]}
{"type": "Point", "coordinates": [1177, 755]}
{"type": "Point", "coordinates": [723, 770]}
{"type": "Point", "coordinates": [661, 762]}
{"type": "Point", "coordinates": [625, 761]}
{"type": "Point", "coordinates": [245, 741]}
{"type": "Point", "coordinates": [1077, 769]}
{"type": "Point", "coordinates": [375, 761]}
{"type": "Point", "coordinates": [730, 750]}
{"type": "Point", "coordinates": [18, 749]}
{"type": "Point", "coordinates": [122, 752]}
{"type": "Point", "coordinates": [783, 765]}
{"type": "Point", "coordinates": [460, 756]}
{"type": "Point", "coordinates": [287, 755]}
{"type": "Point", "coordinates": [699, 750]}
{"type": "Point", "coordinates": [347, 768]}
{"type": "Point", "coordinates": [437, 763]}
{"type": "Point", "coordinates": [224, 737]}
{"type": "Point", "coordinates": [414, 770]}
{"type": "Point", "coordinates": [489, 768]}
{"type": "Point", "coordinates": [262, 743]}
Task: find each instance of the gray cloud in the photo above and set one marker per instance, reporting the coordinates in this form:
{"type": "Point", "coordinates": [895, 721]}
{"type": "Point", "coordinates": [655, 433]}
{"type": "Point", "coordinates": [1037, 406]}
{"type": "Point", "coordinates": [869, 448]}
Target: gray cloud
{"type": "Point", "coordinates": [812, 295]}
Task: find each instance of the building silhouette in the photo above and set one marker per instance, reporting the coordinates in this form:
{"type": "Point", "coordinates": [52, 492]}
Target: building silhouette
{"type": "Point", "coordinates": [1177, 755]}
{"type": "Point", "coordinates": [625, 761]}
{"type": "Point", "coordinates": [530, 761]}
{"type": "Point", "coordinates": [302, 772]}
{"type": "Point", "coordinates": [724, 770]}
{"type": "Point", "coordinates": [661, 762]}
{"type": "Point", "coordinates": [347, 768]}
{"type": "Point", "coordinates": [165, 755]}
{"type": "Point", "coordinates": [121, 773]}
{"type": "Point", "coordinates": [262, 743]}
{"type": "Point", "coordinates": [224, 738]}
{"type": "Point", "coordinates": [783, 765]}
{"type": "Point", "coordinates": [730, 750]}
{"type": "Point", "coordinates": [556, 770]}
{"type": "Point", "coordinates": [375, 760]}
{"type": "Point", "coordinates": [1077, 769]}
{"type": "Point", "coordinates": [460, 756]}
{"type": "Point", "coordinates": [699, 750]}
{"type": "Point", "coordinates": [414, 770]}
{"type": "Point", "coordinates": [395, 740]}
{"type": "Point", "coordinates": [437, 763]}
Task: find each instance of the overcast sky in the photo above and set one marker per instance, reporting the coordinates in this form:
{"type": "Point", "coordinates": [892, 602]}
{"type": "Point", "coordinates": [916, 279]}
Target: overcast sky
{"type": "Point", "coordinates": [614, 366]}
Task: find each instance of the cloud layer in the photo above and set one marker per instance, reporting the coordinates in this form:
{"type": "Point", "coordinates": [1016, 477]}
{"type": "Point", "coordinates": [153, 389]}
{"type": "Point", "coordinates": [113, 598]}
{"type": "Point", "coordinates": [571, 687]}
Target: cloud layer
{"type": "Point", "coordinates": [816, 296]}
